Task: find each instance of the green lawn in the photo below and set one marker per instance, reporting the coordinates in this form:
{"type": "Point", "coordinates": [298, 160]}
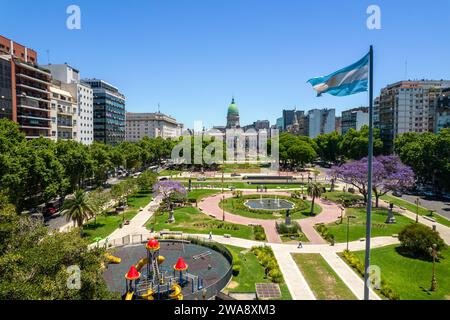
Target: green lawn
{"type": "Point", "coordinates": [241, 185]}
{"type": "Point", "coordinates": [298, 237]}
{"type": "Point", "coordinates": [321, 278]}
{"type": "Point", "coordinates": [252, 272]}
{"type": "Point", "coordinates": [338, 196]}
{"type": "Point", "coordinates": [412, 207]}
{"type": "Point", "coordinates": [358, 224]}
{"type": "Point", "coordinates": [169, 173]}
{"type": "Point", "coordinates": [198, 194]}
{"type": "Point", "coordinates": [301, 211]}
{"type": "Point", "coordinates": [107, 224]}
{"type": "Point", "coordinates": [191, 220]}
{"type": "Point", "coordinates": [411, 278]}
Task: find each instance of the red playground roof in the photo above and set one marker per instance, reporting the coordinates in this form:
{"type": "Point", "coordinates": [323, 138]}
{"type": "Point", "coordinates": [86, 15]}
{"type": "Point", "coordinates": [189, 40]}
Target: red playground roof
{"type": "Point", "coordinates": [132, 274]}
{"type": "Point", "coordinates": [181, 265]}
{"type": "Point", "coordinates": [152, 244]}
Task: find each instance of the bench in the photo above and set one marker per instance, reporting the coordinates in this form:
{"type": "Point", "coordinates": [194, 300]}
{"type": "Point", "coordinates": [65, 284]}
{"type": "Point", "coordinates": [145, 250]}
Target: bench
{"type": "Point", "coordinates": [429, 218]}
{"type": "Point", "coordinates": [170, 233]}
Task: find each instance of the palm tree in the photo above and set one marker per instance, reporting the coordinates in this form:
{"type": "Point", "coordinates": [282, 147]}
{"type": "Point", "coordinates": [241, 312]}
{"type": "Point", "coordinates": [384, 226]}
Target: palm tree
{"type": "Point", "coordinates": [78, 209]}
{"type": "Point", "coordinates": [315, 191]}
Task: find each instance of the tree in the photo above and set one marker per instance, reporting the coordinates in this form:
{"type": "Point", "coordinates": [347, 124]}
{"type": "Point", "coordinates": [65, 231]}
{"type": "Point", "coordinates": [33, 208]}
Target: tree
{"type": "Point", "coordinates": [78, 209]}
{"type": "Point", "coordinates": [355, 144]}
{"type": "Point", "coordinates": [102, 163]}
{"type": "Point", "coordinates": [99, 200]}
{"type": "Point", "coordinates": [328, 146]}
{"type": "Point", "coordinates": [34, 263]}
{"type": "Point", "coordinates": [388, 174]}
{"type": "Point", "coordinates": [315, 191]}
{"type": "Point", "coordinates": [147, 179]}
{"type": "Point", "coordinates": [169, 190]}
{"type": "Point", "coordinates": [301, 153]}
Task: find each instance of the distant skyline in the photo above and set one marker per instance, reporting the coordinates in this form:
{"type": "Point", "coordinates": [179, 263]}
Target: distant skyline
{"type": "Point", "coordinates": [191, 57]}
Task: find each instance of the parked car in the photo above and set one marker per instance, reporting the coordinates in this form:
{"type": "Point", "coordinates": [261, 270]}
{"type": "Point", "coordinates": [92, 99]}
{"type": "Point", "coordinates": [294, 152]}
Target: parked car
{"type": "Point", "coordinates": [397, 193]}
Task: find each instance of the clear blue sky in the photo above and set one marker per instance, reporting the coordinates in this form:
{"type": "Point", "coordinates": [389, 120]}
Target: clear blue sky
{"type": "Point", "coordinates": [192, 55]}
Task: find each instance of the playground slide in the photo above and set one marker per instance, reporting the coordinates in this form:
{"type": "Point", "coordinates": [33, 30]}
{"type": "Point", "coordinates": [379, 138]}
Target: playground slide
{"type": "Point", "coordinates": [176, 294]}
{"type": "Point", "coordinates": [141, 263]}
{"type": "Point", "coordinates": [112, 259]}
{"type": "Point", "coordinates": [129, 295]}
{"type": "Point", "coordinates": [148, 295]}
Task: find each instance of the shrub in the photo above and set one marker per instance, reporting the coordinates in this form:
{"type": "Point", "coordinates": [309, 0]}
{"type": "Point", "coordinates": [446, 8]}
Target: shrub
{"type": "Point", "coordinates": [267, 259]}
{"type": "Point", "coordinates": [236, 269]}
{"type": "Point", "coordinates": [417, 238]}
{"type": "Point", "coordinates": [293, 228]}
{"type": "Point", "coordinates": [259, 233]}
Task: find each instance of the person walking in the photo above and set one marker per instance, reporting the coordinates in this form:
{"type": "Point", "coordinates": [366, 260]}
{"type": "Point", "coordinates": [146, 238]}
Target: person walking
{"type": "Point", "coordinates": [300, 245]}
{"type": "Point", "coordinates": [210, 235]}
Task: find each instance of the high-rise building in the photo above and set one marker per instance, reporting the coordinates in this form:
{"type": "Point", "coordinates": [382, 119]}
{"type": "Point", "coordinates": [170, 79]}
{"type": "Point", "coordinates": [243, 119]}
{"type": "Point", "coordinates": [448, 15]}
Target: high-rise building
{"type": "Point", "coordinates": [280, 124]}
{"type": "Point", "coordinates": [28, 103]}
{"type": "Point", "coordinates": [83, 93]}
{"type": "Point", "coordinates": [338, 125]}
{"type": "Point", "coordinates": [354, 119]}
{"type": "Point", "coordinates": [140, 125]}
{"type": "Point", "coordinates": [407, 106]}
{"type": "Point", "coordinates": [443, 111]}
{"type": "Point", "coordinates": [63, 113]}
{"type": "Point", "coordinates": [321, 121]}
{"type": "Point", "coordinates": [109, 112]}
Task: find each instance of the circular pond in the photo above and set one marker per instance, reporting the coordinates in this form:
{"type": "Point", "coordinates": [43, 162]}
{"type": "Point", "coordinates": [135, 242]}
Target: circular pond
{"type": "Point", "coordinates": [269, 204]}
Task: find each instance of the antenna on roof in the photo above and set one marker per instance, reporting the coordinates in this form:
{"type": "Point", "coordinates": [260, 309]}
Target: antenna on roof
{"type": "Point", "coordinates": [48, 56]}
{"type": "Point", "coordinates": [406, 69]}
{"type": "Point", "coordinates": [158, 107]}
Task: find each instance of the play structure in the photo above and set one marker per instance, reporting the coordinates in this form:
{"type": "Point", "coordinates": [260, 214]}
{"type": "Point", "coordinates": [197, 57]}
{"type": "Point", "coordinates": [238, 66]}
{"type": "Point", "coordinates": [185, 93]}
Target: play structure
{"type": "Point", "coordinates": [149, 280]}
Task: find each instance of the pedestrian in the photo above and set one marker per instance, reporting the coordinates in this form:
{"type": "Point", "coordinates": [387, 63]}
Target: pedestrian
{"type": "Point", "coordinates": [210, 235]}
{"type": "Point", "coordinates": [300, 245]}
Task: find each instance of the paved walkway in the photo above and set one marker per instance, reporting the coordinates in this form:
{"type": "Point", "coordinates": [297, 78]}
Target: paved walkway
{"type": "Point", "coordinates": [444, 231]}
{"type": "Point", "coordinates": [330, 213]}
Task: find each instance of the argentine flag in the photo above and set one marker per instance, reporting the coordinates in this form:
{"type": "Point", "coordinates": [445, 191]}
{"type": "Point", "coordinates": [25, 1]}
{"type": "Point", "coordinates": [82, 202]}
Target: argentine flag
{"type": "Point", "coordinates": [344, 82]}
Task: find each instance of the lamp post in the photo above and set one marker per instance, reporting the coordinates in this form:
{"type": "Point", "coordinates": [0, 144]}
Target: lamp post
{"type": "Point", "coordinates": [417, 209]}
{"type": "Point", "coordinates": [223, 197]}
{"type": "Point", "coordinates": [348, 228]}
{"type": "Point", "coordinates": [434, 254]}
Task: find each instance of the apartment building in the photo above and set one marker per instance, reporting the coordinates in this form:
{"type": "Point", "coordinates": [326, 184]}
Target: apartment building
{"type": "Point", "coordinates": [139, 125]}
{"type": "Point", "coordinates": [84, 95]}
{"type": "Point", "coordinates": [407, 106]}
{"type": "Point", "coordinates": [321, 121]}
{"type": "Point", "coordinates": [443, 111]}
{"type": "Point", "coordinates": [28, 102]}
{"type": "Point", "coordinates": [64, 113]}
{"type": "Point", "coordinates": [109, 112]}
{"type": "Point", "coordinates": [354, 119]}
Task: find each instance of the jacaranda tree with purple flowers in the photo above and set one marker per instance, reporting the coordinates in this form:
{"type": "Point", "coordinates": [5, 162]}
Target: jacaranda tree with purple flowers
{"type": "Point", "coordinates": [170, 191]}
{"type": "Point", "coordinates": [388, 174]}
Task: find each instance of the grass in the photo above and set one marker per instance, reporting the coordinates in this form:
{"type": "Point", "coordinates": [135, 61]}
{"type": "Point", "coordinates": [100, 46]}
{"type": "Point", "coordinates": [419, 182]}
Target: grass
{"type": "Point", "coordinates": [358, 224]}
{"type": "Point", "coordinates": [321, 278]}
{"type": "Point", "coordinates": [302, 210]}
{"type": "Point", "coordinates": [297, 237]}
{"type": "Point", "coordinates": [105, 225]}
{"type": "Point", "coordinates": [252, 272]}
{"type": "Point", "coordinates": [241, 168]}
{"type": "Point", "coordinates": [169, 172]}
{"type": "Point", "coordinates": [191, 220]}
{"type": "Point", "coordinates": [241, 185]}
{"type": "Point", "coordinates": [409, 277]}
{"type": "Point", "coordinates": [198, 194]}
{"type": "Point", "coordinates": [412, 207]}
{"type": "Point", "coordinates": [338, 196]}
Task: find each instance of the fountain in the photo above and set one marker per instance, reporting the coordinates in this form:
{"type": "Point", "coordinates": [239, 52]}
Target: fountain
{"type": "Point", "coordinates": [269, 204]}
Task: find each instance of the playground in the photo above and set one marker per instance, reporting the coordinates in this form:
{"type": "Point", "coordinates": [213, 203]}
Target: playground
{"type": "Point", "coordinates": [169, 270]}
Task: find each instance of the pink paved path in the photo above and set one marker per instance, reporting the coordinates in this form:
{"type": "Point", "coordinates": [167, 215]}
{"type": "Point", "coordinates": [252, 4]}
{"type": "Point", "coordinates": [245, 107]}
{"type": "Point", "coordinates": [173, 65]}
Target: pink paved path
{"type": "Point", "coordinates": [330, 213]}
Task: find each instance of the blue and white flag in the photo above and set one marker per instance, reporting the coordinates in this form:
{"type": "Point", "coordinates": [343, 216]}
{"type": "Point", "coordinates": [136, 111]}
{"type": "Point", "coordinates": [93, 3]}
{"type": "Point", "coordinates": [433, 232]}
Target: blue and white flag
{"type": "Point", "coordinates": [344, 82]}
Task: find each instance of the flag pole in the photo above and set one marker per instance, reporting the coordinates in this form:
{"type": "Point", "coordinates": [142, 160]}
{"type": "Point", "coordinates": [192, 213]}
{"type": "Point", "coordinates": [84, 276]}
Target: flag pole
{"type": "Point", "coordinates": [369, 183]}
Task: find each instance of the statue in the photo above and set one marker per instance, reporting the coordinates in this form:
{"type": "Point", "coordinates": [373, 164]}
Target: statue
{"type": "Point", "coordinates": [390, 219]}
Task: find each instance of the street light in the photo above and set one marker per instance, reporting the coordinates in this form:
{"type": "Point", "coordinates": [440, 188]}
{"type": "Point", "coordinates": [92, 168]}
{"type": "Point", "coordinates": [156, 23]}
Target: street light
{"type": "Point", "coordinates": [348, 227]}
{"type": "Point", "coordinates": [417, 209]}
{"type": "Point", "coordinates": [434, 254]}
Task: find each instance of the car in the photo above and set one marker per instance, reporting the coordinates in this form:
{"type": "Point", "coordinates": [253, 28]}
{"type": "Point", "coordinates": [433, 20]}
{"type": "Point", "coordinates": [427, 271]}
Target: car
{"type": "Point", "coordinates": [397, 193]}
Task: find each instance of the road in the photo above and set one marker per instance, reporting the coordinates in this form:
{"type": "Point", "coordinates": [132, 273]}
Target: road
{"type": "Point", "coordinates": [440, 206]}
